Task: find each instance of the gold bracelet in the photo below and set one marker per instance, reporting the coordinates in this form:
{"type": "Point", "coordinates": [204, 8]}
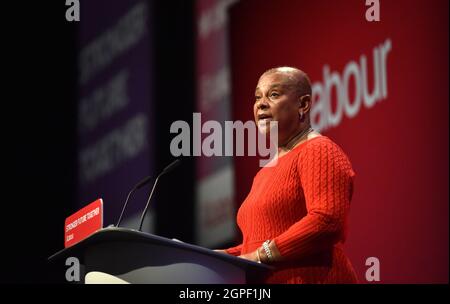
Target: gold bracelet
{"type": "Point", "coordinates": [266, 248]}
{"type": "Point", "coordinates": [257, 255]}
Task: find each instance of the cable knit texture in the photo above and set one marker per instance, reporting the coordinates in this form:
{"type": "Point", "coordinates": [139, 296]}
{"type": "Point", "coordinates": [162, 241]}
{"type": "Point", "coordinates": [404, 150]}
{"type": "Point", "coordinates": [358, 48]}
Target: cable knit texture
{"type": "Point", "coordinates": [302, 204]}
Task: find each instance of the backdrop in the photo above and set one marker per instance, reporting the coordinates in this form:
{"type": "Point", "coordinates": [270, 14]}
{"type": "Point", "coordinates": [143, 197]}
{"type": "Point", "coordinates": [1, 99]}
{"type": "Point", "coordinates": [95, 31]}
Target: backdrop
{"type": "Point", "coordinates": [115, 117]}
{"type": "Point", "coordinates": [381, 92]}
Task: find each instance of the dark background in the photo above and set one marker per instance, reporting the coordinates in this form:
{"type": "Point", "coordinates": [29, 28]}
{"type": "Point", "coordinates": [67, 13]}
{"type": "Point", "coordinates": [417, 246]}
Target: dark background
{"type": "Point", "coordinates": [39, 187]}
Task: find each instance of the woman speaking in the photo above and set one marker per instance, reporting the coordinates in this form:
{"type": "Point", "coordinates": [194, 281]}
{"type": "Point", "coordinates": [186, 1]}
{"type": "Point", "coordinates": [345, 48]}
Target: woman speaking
{"type": "Point", "coordinates": [295, 216]}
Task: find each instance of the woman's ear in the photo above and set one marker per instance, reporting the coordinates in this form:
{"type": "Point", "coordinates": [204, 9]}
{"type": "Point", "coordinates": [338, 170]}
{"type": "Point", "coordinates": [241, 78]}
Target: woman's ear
{"type": "Point", "coordinates": [305, 103]}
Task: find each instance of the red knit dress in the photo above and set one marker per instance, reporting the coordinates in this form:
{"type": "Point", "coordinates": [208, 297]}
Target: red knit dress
{"type": "Point", "coordinates": [302, 204]}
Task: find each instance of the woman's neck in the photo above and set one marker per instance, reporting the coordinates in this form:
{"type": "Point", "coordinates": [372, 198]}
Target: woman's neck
{"type": "Point", "coordinates": [297, 139]}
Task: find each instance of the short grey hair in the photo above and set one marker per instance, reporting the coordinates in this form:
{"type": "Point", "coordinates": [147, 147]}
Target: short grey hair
{"type": "Point", "coordinates": [299, 78]}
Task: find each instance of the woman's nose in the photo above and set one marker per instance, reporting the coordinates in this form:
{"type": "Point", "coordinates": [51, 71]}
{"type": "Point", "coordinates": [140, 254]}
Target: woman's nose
{"type": "Point", "coordinates": [262, 104]}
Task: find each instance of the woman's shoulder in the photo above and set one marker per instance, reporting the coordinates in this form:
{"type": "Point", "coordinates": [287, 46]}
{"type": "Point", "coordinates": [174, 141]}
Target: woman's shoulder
{"type": "Point", "coordinates": [319, 141]}
{"type": "Point", "coordinates": [322, 154]}
{"type": "Point", "coordinates": [321, 147]}
{"type": "Point", "coordinates": [315, 143]}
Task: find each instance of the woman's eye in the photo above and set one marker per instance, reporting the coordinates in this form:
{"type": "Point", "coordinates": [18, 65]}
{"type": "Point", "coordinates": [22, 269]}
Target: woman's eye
{"type": "Point", "coordinates": [274, 94]}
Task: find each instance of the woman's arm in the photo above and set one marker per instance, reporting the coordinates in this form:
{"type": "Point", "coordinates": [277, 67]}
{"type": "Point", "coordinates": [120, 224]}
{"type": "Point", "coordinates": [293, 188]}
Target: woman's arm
{"type": "Point", "coordinates": [236, 251]}
{"type": "Point", "coordinates": [327, 180]}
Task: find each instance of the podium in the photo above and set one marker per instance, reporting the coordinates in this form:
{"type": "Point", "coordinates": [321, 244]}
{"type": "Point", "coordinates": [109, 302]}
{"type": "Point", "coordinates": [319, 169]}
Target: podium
{"type": "Point", "coordinates": [131, 256]}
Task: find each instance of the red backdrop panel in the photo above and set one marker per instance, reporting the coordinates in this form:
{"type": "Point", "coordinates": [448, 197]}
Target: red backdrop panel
{"type": "Point", "coordinates": [398, 147]}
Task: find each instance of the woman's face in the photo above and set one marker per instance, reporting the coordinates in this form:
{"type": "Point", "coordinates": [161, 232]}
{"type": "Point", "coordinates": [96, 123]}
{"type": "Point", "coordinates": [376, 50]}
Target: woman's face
{"type": "Point", "coordinates": [277, 100]}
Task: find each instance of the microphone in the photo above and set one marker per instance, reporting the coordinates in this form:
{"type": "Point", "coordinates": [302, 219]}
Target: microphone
{"type": "Point", "coordinates": [167, 169]}
{"type": "Point", "coordinates": [139, 185]}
